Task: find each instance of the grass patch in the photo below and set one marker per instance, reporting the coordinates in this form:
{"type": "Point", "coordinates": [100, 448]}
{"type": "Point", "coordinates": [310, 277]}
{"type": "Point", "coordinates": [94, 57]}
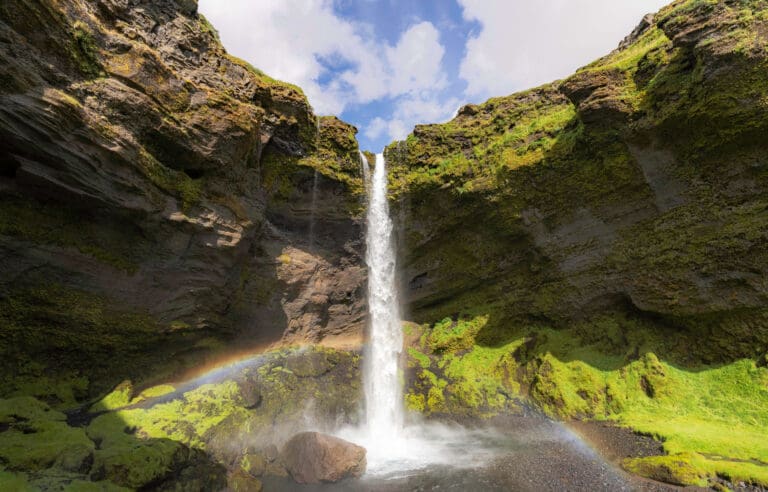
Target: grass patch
{"type": "Point", "coordinates": [712, 419]}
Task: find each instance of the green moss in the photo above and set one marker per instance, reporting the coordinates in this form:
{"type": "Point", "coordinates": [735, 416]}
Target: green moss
{"type": "Point", "coordinates": [119, 397]}
{"type": "Point", "coordinates": [284, 382]}
{"type": "Point", "coordinates": [85, 51]}
{"type": "Point", "coordinates": [619, 369]}
{"type": "Point", "coordinates": [16, 482]}
{"type": "Point", "coordinates": [135, 464]}
{"type": "Point", "coordinates": [153, 392]}
{"type": "Point", "coordinates": [128, 457]}
{"type": "Point", "coordinates": [415, 402]}
{"type": "Point", "coordinates": [628, 60]}
{"type": "Point", "coordinates": [427, 393]}
{"type": "Point", "coordinates": [682, 469]}
{"type": "Point", "coordinates": [207, 27]}
{"type": "Point", "coordinates": [482, 379]}
{"type": "Point", "coordinates": [255, 464]}
{"type": "Point", "coordinates": [418, 359]}
{"type": "Point", "coordinates": [261, 76]}
{"type": "Point", "coordinates": [186, 420]}
{"type": "Point", "coordinates": [37, 438]}
{"type": "Point", "coordinates": [24, 408]}
{"type": "Point", "coordinates": [52, 224]}
{"type": "Point", "coordinates": [695, 469]}
{"type": "Point", "coordinates": [188, 190]}
{"type": "Point", "coordinates": [472, 380]}
{"type": "Point", "coordinates": [332, 158]}
{"type": "Point", "coordinates": [436, 397]}
{"type": "Point", "coordinates": [450, 336]}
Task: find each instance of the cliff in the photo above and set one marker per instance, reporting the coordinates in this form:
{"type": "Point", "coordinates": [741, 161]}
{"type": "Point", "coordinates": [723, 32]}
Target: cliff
{"type": "Point", "coordinates": [605, 252]}
{"type": "Point", "coordinates": [159, 200]}
{"type": "Point", "coordinates": [594, 248]}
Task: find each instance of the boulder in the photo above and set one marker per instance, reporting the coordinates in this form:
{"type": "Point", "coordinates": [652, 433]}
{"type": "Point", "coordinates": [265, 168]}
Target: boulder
{"type": "Point", "coordinates": [312, 457]}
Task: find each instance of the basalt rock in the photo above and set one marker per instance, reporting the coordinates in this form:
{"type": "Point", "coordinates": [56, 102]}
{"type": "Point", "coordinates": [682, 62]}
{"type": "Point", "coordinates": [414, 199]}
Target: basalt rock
{"type": "Point", "coordinates": [156, 198]}
{"type": "Point", "coordinates": [635, 186]}
{"type": "Point", "coordinates": [311, 457]}
{"type": "Point", "coordinates": [605, 249]}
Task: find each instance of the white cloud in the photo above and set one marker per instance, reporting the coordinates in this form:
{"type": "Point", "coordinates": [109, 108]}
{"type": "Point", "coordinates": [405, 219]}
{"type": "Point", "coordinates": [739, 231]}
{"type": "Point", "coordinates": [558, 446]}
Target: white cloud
{"type": "Point", "coordinates": [376, 128]}
{"type": "Point", "coordinates": [413, 109]}
{"type": "Point", "coordinates": [283, 38]}
{"type": "Point", "coordinates": [523, 44]}
{"type": "Point", "coordinates": [416, 60]}
{"type": "Point", "coordinates": [288, 38]}
{"type": "Point", "coordinates": [340, 63]}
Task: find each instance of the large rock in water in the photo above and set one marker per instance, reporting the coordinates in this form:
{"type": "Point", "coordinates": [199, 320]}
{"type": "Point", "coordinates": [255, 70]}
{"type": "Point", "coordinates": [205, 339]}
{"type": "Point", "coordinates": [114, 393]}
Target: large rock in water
{"type": "Point", "coordinates": [312, 457]}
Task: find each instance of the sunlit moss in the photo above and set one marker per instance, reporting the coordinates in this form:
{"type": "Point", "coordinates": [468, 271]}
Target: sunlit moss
{"type": "Point", "coordinates": [153, 392]}
{"type": "Point", "coordinates": [616, 369]}
{"type": "Point", "coordinates": [117, 398]}
{"type": "Point", "coordinates": [695, 469]}
{"type": "Point", "coordinates": [452, 336]}
{"type": "Point", "coordinates": [186, 420]}
{"type": "Point", "coordinates": [126, 460]}
{"type": "Point", "coordinates": [418, 359]}
{"type": "Point", "coordinates": [85, 51]}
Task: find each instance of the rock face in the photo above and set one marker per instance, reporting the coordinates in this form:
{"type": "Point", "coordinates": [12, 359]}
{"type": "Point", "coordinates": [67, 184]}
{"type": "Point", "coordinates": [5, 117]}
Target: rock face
{"type": "Point", "coordinates": [311, 457]}
{"type": "Point", "coordinates": [605, 251]}
{"type": "Point", "coordinates": [636, 186]}
{"type": "Point", "coordinates": [157, 197]}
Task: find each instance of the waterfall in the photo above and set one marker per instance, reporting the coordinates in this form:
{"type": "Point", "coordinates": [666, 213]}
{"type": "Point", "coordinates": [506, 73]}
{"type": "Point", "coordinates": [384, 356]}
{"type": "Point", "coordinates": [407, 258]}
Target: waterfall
{"type": "Point", "coordinates": [366, 171]}
{"type": "Point", "coordinates": [383, 392]}
{"type": "Point", "coordinates": [392, 448]}
{"type": "Point", "coordinates": [312, 213]}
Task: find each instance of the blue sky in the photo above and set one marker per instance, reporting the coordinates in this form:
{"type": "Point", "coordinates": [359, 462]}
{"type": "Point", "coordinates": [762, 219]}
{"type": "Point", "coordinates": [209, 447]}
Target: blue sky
{"type": "Point", "coordinates": [386, 65]}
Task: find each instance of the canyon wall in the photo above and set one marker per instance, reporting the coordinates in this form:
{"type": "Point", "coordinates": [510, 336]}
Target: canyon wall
{"type": "Point", "coordinates": [635, 187]}
{"type": "Point", "coordinates": [161, 200]}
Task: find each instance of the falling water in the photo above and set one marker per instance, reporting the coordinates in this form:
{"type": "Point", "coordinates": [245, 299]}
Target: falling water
{"type": "Point", "coordinates": [366, 170]}
{"type": "Point", "coordinates": [393, 449]}
{"type": "Point", "coordinates": [383, 392]}
{"type": "Point", "coordinates": [312, 213]}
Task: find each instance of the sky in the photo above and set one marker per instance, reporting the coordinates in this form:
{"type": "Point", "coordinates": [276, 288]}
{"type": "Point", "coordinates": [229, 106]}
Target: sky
{"type": "Point", "coordinates": [387, 65]}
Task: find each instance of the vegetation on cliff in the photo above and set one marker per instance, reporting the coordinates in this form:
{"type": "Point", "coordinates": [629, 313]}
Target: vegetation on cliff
{"type": "Point", "coordinates": [185, 435]}
{"type": "Point", "coordinates": [140, 165]}
{"type": "Point", "coordinates": [151, 189]}
{"type": "Point", "coordinates": [606, 254]}
{"type": "Point", "coordinates": [595, 247]}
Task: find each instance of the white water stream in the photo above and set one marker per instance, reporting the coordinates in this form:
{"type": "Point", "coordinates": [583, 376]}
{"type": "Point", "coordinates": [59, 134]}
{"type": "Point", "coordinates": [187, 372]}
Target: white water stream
{"type": "Point", "coordinates": [383, 389]}
{"type": "Point", "coordinates": [395, 449]}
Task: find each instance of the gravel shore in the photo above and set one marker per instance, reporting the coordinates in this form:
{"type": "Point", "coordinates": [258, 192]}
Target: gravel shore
{"type": "Point", "coordinates": [535, 454]}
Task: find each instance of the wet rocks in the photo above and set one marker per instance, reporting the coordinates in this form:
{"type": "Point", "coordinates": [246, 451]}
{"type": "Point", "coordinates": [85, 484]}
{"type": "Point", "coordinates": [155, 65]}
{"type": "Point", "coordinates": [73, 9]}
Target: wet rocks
{"type": "Point", "coordinates": [312, 457]}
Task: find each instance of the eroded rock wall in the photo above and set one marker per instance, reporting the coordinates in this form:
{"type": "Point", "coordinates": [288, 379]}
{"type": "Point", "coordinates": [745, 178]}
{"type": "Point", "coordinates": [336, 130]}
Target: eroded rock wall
{"type": "Point", "coordinates": [636, 186]}
{"type": "Point", "coordinates": [156, 199]}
